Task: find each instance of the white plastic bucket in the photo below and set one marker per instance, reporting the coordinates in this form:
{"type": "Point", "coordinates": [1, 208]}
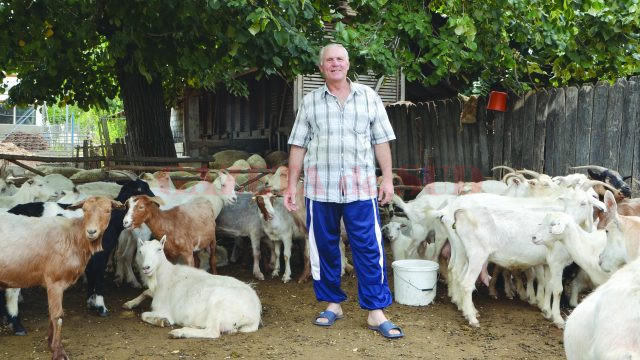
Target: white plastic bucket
{"type": "Point", "coordinates": [414, 281]}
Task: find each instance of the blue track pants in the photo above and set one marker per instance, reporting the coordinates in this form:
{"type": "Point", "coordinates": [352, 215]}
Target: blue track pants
{"type": "Point", "coordinates": [362, 222]}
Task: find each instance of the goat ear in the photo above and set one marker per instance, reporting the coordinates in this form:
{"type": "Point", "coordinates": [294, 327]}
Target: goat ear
{"type": "Point", "coordinates": [610, 202]}
{"type": "Point", "coordinates": [77, 205]}
{"type": "Point", "coordinates": [157, 200]}
{"type": "Point", "coordinates": [117, 205]}
{"type": "Point", "coordinates": [140, 242]}
{"type": "Point", "coordinates": [163, 240]}
{"type": "Point", "coordinates": [557, 228]}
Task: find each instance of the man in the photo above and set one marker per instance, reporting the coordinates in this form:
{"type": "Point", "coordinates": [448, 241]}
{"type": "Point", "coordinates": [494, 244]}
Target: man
{"type": "Point", "coordinates": [338, 130]}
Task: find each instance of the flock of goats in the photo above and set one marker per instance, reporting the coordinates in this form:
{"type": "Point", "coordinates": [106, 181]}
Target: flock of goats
{"type": "Point", "coordinates": [529, 226]}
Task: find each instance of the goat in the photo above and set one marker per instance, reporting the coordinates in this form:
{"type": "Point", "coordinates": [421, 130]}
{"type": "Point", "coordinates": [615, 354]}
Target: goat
{"type": "Point", "coordinates": [623, 236]}
{"type": "Point", "coordinates": [584, 247]}
{"type": "Point", "coordinates": [52, 252]}
{"type": "Point", "coordinates": [606, 324]}
{"type": "Point", "coordinates": [31, 190]}
{"type": "Point", "coordinates": [7, 187]}
{"type": "Point", "coordinates": [97, 265]}
{"type": "Point", "coordinates": [189, 227]}
{"type": "Point", "coordinates": [281, 227]}
{"type": "Point", "coordinates": [243, 219]}
{"type": "Point", "coordinates": [214, 305]}
{"type": "Point", "coordinates": [610, 177]}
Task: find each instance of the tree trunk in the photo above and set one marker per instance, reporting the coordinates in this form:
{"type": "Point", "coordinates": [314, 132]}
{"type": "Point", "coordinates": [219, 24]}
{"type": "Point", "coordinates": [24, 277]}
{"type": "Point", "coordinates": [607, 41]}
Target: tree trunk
{"type": "Point", "coordinates": [148, 130]}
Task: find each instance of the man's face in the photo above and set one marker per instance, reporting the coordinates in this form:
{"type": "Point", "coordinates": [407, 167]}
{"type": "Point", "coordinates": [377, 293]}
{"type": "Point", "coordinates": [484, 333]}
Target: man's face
{"type": "Point", "coordinates": [335, 64]}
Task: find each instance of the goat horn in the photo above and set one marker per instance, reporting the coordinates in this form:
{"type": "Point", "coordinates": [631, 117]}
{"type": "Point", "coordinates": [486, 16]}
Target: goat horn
{"type": "Point", "coordinates": [510, 175]}
{"type": "Point", "coordinates": [529, 172]}
{"type": "Point", "coordinates": [589, 183]}
{"type": "Point", "coordinates": [597, 167]}
{"type": "Point", "coordinates": [502, 167]}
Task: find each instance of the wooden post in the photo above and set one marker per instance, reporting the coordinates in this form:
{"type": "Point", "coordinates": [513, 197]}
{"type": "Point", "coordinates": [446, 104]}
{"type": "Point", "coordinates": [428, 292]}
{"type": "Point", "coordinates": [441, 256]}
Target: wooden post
{"type": "Point", "coordinates": [107, 140]}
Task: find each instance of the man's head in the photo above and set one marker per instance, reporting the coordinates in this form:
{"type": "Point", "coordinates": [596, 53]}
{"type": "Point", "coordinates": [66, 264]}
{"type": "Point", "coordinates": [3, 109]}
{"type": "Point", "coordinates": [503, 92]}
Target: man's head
{"type": "Point", "coordinates": [333, 62]}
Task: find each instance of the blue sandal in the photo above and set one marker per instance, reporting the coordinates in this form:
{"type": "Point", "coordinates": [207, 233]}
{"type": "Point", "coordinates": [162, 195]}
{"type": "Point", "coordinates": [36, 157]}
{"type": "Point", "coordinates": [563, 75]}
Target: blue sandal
{"type": "Point", "coordinates": [329, 315]}
{"type": "Point", "coordinates": [385, 330]}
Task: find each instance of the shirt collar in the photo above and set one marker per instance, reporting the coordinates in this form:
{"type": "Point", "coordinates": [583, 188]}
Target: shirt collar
{"type": "Point", "coordinates": [354, 88]}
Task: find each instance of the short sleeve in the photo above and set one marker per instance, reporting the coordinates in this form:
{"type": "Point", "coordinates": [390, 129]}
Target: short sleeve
{"type": "Point", "coordinates": [301, 132]}
{"type": "Point", "coordinates": [381, 130]}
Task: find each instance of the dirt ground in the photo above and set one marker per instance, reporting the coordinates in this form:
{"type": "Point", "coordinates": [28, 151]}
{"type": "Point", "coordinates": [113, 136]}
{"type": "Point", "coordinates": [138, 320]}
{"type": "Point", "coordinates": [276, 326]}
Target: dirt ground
{"type": "Point", "coordinates": [510, 329]}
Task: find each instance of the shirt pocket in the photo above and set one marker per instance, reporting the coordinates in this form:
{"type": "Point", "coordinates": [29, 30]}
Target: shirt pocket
{"type": "Point", "coordinates": [361, 124]}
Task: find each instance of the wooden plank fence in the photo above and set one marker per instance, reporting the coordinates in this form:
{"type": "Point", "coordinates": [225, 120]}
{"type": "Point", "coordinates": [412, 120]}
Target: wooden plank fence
{"type": "Point", "coordinates": [547, 131]}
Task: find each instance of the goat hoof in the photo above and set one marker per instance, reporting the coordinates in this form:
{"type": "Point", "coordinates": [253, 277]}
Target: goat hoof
{"type": "Point", "coordinates": [18, 330]}
{"type": "Point", "coordinates": [16, 326]}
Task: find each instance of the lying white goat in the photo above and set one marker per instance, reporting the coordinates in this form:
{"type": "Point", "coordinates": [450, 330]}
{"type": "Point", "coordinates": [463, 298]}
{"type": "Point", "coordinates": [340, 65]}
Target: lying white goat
{"type": "Point", "coordinates": [206, 305]}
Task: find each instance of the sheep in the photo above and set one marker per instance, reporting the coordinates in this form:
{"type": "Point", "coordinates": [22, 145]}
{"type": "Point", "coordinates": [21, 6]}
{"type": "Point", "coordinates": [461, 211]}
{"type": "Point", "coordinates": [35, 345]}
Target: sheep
{"type": "Point", "coordinates": [189, 227]}
{"type": "Point", "coordinates": [52, 252]}
{"type": "Point", "coordinates": [214, 305]}
{"type": "Point", "coordinates": [606, 324]}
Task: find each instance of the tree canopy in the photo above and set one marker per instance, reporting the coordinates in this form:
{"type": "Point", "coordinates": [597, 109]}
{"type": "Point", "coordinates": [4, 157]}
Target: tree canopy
{"type": "Point", "coordinates": [147, 52]}
{"type": "Point", "coordinates": [512, 44]}
{"type": "Point", "coordinates": [87, 51]}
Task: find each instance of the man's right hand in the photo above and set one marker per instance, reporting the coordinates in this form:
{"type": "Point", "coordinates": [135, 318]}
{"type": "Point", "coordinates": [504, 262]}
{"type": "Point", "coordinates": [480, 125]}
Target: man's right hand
{"type": "Point", "coordinates": [290, 199]}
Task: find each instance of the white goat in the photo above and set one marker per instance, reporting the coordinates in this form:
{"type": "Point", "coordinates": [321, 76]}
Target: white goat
{"type": "Point", "coordinates": [584, 247]}
{"type": "Point", "coordinates": [214, 305]}
{"type": "Point", "coordinates": [623, 236]}
{"type": "Point", "coordinates": [32, 190]}
{"type": "Point", "coordinates": [606, 324]}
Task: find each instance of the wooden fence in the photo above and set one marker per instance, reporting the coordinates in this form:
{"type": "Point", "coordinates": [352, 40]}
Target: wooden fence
{"type": "Point", "coordinates": [547, 131]}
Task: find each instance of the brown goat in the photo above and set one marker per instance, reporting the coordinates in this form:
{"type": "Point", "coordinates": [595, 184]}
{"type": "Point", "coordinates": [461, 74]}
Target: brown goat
{"type": "Point", "coordinates": [53, 253]}
{"type": "Point", "coordinates": [189, 227]}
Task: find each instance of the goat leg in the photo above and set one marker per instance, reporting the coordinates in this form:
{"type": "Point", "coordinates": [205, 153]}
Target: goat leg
{"type": "Point", "coordinates": [212, 255]}
{"type": "Point", "coordinates": [54, 298]}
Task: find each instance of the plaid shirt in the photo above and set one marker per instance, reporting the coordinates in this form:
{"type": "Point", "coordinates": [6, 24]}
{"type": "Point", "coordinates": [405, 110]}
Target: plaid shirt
{"type": "Point", "coordinates": [339, 164]}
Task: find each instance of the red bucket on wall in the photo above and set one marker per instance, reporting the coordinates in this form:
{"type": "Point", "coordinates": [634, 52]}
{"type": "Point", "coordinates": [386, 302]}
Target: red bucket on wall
{"type": "Point", "coordinates": [497, 101]}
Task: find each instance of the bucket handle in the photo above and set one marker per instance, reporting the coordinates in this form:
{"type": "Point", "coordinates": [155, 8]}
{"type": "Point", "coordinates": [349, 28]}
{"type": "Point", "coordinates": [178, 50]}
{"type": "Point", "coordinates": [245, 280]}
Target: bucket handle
{"type": "Point", "coordinates": [415, 287]}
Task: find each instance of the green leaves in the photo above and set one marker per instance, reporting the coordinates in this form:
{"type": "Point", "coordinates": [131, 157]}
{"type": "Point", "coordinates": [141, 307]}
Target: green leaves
{"type": "Point", "coordinates": [514, 44]}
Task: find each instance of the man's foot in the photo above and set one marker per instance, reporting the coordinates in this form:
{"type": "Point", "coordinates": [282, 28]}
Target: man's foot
{"type": "Point", "coordinates": [334, 308]}
{"type": "Point", "coordinates": [376, 318]}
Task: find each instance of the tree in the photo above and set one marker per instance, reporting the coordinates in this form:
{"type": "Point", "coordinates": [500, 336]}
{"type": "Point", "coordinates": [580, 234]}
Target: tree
{"type": "Point", "coordinates": [85, 52]}
{"type": "Point", "coordinates": [512, 44]}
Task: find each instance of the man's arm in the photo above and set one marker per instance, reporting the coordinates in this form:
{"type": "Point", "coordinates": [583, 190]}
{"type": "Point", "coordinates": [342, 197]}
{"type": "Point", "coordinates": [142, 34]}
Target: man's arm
{"type": "Point", "coordinates": [383, 155]}
{"type": "Point", "coordinates": [296, 160]}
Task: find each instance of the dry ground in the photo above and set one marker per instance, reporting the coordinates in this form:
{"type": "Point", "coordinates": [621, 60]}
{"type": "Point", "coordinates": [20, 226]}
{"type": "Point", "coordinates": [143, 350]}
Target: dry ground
{"type": "Point", "coordinates": [510, 329]}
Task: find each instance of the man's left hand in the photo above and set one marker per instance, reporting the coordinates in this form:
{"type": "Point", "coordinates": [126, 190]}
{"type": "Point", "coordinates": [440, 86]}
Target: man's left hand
{"type": "Point", "coordinates": [385, 193]}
